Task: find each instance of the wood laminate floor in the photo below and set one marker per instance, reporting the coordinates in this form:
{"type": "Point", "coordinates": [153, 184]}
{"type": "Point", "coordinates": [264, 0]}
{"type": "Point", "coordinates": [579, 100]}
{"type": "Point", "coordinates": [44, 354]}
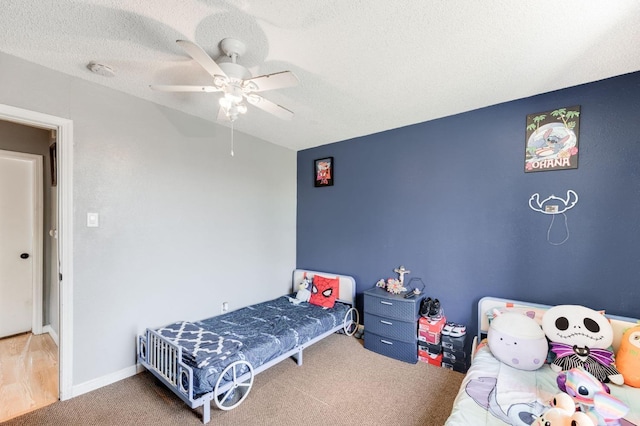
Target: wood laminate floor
{"type": "Point", "coordinates": [28, 374]}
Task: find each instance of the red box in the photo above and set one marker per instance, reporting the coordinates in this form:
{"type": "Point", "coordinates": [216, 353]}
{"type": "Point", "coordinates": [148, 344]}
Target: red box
{"type": "Point", "coordinates": [423, 354]}
{"type": "Point", "coordinates": [428, 336]}
{"type": "Point", "coordinates": [426, 324]}
{"type": "Point", "coordinates": [431, 359]}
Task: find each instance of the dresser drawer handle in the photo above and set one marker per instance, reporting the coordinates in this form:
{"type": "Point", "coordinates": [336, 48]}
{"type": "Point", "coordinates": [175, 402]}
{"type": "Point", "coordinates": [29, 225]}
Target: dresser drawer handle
{"type": "Point", "coordinates": [386, 322]}
{"type": "Point", "coordinates": [384, 302]}
{"type": "Point", "coordinates": [386, 342]}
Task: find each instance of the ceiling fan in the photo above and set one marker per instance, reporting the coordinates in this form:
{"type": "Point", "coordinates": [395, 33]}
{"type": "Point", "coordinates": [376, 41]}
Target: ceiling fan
{"type": "Point", "coordinates": [235, 81]}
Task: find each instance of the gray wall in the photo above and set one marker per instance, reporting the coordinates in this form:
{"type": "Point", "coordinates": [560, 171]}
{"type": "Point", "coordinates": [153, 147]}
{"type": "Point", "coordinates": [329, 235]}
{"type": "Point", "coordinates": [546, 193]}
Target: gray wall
{"type": "Point", "coordinates": [183, 225]}
{"type": "Point", "coordinates": [18, 138]}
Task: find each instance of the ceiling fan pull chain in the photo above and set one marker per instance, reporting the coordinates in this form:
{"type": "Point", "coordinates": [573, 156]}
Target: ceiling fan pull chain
{"type": "Point", "coordinates": [232, 138]}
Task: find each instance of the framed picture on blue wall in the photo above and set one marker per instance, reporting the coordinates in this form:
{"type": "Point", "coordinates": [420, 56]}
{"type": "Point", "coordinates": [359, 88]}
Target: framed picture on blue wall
{"type": "Point", "coordinates": [323, 171]}
{"type": "Point", "coordinates": [552, 140]}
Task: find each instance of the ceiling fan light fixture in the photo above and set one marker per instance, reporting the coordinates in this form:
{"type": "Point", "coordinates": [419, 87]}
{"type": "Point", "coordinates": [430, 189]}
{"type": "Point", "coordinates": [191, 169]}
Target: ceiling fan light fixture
{"type": "Point", "coordinates": [253, 99]}
{"type": "Point", "coordinates": [250, 86]}
{"type": "Point", "coordinates": [233, 94]}
{"type": "Point", "coordinates": [220, 81]}
{"type": "Point", "coordinates": [225, 102]}
{"type": "Point", "coordinates": [234, 81]}
{"type": "Point", "coordinates": [232, 109]}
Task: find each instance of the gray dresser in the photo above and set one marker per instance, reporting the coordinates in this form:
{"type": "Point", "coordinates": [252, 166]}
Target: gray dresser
{"type": "Point", "coordinates": [390, 324]}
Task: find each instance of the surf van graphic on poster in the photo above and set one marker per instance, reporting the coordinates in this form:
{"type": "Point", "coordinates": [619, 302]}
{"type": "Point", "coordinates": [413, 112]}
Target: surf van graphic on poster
{"type": "Point", "coordinates": [552, 140]}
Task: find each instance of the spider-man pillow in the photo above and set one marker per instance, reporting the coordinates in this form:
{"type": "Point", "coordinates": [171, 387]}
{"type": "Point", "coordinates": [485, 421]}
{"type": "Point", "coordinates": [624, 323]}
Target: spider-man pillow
{"type": "Point", "coordinates": [324, 291]}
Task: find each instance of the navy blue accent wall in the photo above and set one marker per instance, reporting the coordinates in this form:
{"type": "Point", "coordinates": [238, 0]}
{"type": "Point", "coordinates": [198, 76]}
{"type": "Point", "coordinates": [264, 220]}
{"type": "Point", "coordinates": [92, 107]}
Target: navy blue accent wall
{"type": "Point", "coordinates": [448, 199]}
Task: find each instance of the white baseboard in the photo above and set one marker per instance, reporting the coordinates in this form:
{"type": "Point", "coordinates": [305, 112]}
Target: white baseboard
{"type": "Point", "coordinates": [94, 384]}
{"type": "Point", "coordinates": [52, 333]}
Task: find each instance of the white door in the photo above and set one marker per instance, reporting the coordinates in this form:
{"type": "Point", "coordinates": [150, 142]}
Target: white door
{"type": "Point", "coordinates": [17, 251]}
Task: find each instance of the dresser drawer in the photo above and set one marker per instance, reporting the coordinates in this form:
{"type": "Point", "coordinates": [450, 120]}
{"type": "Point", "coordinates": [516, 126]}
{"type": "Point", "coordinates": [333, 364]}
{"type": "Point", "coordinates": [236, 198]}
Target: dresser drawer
{"type": "Point", "coordinates": [392, 328]}
{"type": "Point", "coordinates": [380, 302]}
{"type": "Point", "coordinates": [402, 351]}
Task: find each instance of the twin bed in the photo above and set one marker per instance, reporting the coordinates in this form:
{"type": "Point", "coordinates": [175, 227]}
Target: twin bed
{"type": "Point", "coordinates": [493, 393]}
{"type": "Point", "coordinates": [216, 359]}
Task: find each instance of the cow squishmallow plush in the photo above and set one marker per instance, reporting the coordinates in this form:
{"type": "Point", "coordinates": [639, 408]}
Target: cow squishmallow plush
{"type": "Point", "coordinates": [517, 340]}
{"type": "Point", "coordinates": [581, 337]}
{"type": "Point", "coordinates": [628, 356]}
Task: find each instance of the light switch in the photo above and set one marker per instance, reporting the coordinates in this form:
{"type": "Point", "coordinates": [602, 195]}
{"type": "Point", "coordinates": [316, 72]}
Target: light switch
{"type": "Point", "coordinates": [93, 220]}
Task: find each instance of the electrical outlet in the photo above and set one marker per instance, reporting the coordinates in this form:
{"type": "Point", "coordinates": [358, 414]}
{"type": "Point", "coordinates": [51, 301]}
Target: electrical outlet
{"type": "Point", "coordinates": [225, 307]}
{"type": "Point", "coordinates": [552, 208]}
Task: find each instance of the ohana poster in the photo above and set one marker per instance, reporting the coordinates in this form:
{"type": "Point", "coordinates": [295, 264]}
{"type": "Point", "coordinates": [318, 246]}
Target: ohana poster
{"type": "Point", "coordinates": [552, 140]}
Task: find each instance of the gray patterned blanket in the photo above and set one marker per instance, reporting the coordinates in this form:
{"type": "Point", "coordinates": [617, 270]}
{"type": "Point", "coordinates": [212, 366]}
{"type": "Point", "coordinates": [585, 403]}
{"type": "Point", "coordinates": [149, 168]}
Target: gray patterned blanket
{"type": "Point", "coordinates": [200, 347]}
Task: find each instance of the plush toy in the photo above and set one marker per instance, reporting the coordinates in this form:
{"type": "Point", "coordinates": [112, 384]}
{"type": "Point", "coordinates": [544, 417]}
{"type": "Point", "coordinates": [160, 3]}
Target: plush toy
{"type": "Point", "coordinates": [563, 413]}
{"type": "Point", "coordinates": [592, 396]}
{"type": "Point", "coordinates": [628, 357]}
{"type": "Point", "coordinates": [580, 337]}
{"type": "Point", "coordinates": [517, 340]}
{"type": "Point", "coordinates": [304, 292]}
{"type": "Point", "coordinates": [561, 417]}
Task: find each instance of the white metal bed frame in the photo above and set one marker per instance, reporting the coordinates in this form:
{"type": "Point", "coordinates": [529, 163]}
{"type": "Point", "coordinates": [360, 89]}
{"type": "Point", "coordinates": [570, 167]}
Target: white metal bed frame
{"type": "Point", "coordinates": [164, 358]}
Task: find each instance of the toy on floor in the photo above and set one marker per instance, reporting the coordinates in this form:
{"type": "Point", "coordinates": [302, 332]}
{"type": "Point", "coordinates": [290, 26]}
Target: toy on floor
{"type": "Point", "coordinates": [517, 341]}
{"type": "Point", "coordinates": [592, 396]}
{"type": "Point", "coordinates": [628, 357]}
{"type": "Point", "coordinates": [580, 337]}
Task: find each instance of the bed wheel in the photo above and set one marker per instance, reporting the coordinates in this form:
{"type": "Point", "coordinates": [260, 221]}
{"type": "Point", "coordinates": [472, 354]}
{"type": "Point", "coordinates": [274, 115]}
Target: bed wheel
{"type": "Point", "coordinates": [351, 321]}
{"type": "Point", "coordinates": [143, 350]}
{"type": "Point", "coordinates": [184, 382]}
{"type": "Point", "coordinates": [231, 398]}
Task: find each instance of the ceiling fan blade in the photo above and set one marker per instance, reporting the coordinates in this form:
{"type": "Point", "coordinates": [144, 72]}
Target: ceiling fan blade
{"type": "Point", "coordinates": [183, 88]}
{"type": "Point", "coordinates": [270, 107]}
{"type": "Point", "coordinates": [277, 80]}
{"type": "Point", "coordinates": [201, 57]}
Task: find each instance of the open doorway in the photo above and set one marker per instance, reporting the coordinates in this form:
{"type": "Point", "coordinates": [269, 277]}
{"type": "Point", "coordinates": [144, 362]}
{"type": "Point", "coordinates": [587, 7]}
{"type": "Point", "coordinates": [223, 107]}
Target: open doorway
{"type": "Point", "coordinates": [64, 179]}
{"type": "Point", "coordinates": [29, 279]}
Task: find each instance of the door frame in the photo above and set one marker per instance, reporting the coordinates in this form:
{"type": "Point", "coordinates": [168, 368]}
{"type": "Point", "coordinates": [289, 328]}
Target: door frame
{"type": "Point", "coordinates": [36, 236]}
{"type": "Point", "coordinates": [64, 140]}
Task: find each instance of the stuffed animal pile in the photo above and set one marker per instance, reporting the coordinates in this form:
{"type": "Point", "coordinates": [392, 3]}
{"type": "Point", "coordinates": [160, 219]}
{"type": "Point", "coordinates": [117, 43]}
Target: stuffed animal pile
{"type": "Point", "coordinates": [563, 413]}
{"type": "Point", "coordinates": [580, 342]}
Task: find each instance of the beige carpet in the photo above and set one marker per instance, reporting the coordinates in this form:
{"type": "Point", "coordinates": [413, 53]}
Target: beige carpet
{"type": "Point", "coordinates": [339, 383]}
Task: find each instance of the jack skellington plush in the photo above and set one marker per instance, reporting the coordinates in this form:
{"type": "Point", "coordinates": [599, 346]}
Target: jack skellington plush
{"type": "Point", "coordinates": [581, 337]}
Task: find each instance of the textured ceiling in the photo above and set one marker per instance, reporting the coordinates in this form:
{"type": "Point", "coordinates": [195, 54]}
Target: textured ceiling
{"type": "Point", "coordinates": [364, 65]}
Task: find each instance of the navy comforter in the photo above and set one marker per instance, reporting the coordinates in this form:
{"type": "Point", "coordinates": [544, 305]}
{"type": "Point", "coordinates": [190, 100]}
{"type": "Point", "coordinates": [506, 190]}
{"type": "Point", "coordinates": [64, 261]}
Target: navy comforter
{"type": "Point", "coordinates": [265, 331]}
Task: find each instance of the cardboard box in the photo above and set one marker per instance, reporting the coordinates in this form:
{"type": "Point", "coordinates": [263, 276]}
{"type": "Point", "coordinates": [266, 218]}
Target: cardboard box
{"type": "Point", "coordinates": [423, 353]}
{"type": "Point", "coordinates": [431, 359]}
{"type": "Point", "coordinates": [460, 367]}
{"type": "Point", "coordinates": [428, 337]}
{"type": "Point", "coordinates": [454, 343]}
{"type": "Point", "coordinates": [432, 348]}
{"type": "Point", "coordinates": [426, 324]}
{"type": "Point", "coordinates": [453, 356]}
